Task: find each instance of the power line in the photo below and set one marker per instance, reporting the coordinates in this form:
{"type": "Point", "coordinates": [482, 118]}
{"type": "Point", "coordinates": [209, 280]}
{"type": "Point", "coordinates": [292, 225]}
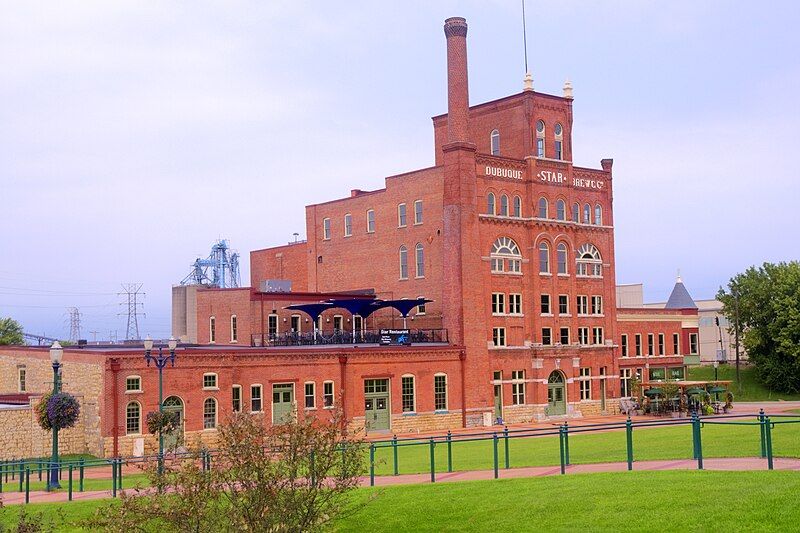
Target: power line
{"type": "Point", "coordinates": [74, 324]}
{"type": "Point", "coordinates": [131, 291]}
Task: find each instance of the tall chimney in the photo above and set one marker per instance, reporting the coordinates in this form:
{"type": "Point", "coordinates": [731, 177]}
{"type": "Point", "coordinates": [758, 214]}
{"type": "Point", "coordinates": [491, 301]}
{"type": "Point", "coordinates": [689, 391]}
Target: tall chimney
{"type": "Point", "coordinates": [455, 29]}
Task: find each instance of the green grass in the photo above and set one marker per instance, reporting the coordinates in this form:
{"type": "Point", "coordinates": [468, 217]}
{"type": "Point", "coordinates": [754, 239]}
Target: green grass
{"type": "Point", "coordinates": [629, 501]}
{"type": "Point", "coordinates": [749, 390]}
{"type": "Point", "coordinates": [673, 442]}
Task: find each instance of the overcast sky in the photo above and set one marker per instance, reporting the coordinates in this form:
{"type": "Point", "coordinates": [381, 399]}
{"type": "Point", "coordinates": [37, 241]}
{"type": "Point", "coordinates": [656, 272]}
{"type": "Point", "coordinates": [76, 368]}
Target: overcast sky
{"type": "Point", "coordinates": [134, 134]}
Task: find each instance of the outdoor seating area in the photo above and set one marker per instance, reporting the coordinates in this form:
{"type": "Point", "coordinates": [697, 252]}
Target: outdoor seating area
{"type": "Point", "coordinates": [680, 398]}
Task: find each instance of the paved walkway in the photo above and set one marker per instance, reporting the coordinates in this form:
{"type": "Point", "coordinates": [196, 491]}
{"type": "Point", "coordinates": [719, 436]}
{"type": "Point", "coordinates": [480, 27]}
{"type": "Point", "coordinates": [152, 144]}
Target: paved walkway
{"type": "Point", "coordinates": [730, 464]}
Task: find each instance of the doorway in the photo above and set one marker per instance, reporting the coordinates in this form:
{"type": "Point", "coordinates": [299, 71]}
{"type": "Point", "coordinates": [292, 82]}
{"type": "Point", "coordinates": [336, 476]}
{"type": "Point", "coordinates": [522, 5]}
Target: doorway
{"type": "Point", "coordinates": [174, 438]}
{"type": "Point", "coordinates": [376, 404]}
{"type": "Point", "coordinates": [556, 394]}
{"type": "Point", "coordinates": [282, 403]}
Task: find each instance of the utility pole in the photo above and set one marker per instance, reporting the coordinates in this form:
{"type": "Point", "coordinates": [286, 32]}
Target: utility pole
{"type": "Point", "coordinates": [132, 292]}
{"type": "Point", "coordinates": [94, 336]}
{"type": "Point", "coordinates": [74, 324]}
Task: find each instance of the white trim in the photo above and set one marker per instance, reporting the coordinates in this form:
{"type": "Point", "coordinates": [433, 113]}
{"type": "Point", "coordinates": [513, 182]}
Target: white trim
{"type": "Point", "coordinates": [333, 394]}
{"type": "Point", "coordinates": [133, 391]}
{"type": "Point", "coordinates": [216, 381]}
{"type": "Point", "coordinates": [313, 395]}
{"type": "Point", "coordinates": [241, 398]}
{"type": "Point", "coordinates": [216, 413]}
{"type": "Point", "coordinates": [261, 397]}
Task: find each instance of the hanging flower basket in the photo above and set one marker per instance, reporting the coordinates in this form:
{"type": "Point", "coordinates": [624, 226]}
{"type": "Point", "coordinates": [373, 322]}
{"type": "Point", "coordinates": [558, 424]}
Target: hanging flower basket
{"type": "Point", "coordinates": [162, 421]}
{"type": "Point", "coordinates": [57, 411]}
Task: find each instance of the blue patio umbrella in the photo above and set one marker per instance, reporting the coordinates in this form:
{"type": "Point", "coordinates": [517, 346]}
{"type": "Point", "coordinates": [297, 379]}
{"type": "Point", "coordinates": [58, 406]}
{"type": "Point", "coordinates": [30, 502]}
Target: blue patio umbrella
{"type": "Point", "coordinates": [357, 306]}
{"type": "Point", "coordinates": [313, 310]}
{"type": "Point", "coordinates": [403, 306]}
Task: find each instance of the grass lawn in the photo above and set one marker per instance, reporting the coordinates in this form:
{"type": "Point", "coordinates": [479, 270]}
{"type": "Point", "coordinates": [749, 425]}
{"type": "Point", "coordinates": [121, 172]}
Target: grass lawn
{"type": "Point", "coordinates": [749, 390]}
{"type": "Point", "coordinates": [629, 501]}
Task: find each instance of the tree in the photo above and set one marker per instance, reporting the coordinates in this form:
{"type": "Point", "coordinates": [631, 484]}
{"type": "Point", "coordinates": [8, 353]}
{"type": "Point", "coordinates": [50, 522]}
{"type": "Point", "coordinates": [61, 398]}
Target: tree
{"type": "Point", "coordinates": [764, 303]}
{"type": "Point", "coordinates": [10, 332]}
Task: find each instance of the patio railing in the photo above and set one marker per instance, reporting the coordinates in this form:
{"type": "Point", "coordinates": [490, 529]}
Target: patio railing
{"type": "Point", "coordinates": [369, 336]}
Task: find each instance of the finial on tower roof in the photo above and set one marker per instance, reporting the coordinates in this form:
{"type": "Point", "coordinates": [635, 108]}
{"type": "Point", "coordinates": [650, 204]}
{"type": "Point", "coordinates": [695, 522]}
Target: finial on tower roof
{"type": "Point", "coordinates": [679, 280]}
{"type": "Point", "coordinates": [567, 89]}
{"type": "Point", "coordinates": [527, 82]}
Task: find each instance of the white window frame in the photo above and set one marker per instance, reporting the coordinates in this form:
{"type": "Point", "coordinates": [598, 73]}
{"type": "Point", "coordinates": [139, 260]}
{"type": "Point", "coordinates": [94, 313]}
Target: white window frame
{"type": "Point", "coordinates": [518, 387]}
{"type": "Point", "coordinates": [325, 395]}
{"type": "Point", "coordinates": [421, 310]}
{"type": "Point", "coordinates": [413, 393]}
{"type": "Point", "coordinates": [419, 260]}
{"type": "Point", "coordinates": [22, 379]}
{"type": "Point", "coordinates": [370, 221]}
{"type": "Point", "coordinates": [598, 335]}
{"type": "Point", "coordinates": [212, 329]}
{"type": "Point", "coordinates": [348, 224]}
{"type": "Point", "coordinates": [139, 418]}
{"type": "Point", "coordinates": [515, 304]}
{"type": "Point", "coordinates": [624, 346]}
{"type": "Point", "coordinates": [549, 303]}
{"type": "Point", "coordinates": [299, 328]}
{"type": "Point", "coordinates": [566, 299]}
{"type": "Point", "coordinates": [419, 216]}
{"type": "Point", "coordinates": [585, 380]}
{"type": "Point", "coordinates": [216, 413]}
{"type": "Point", "coordinates": [403, 258]}
{"type": "Point", "coordinates": [133, 391]}
{"type": "Point", "coordinates": [498, 303]}
{"type": "Point", "coordinates": [446, 395]}
{"type": "Point", "coordinates": [234, 329]}
{"type": "Point", "coordinates": [216, 381]}
{"type": "Point", "coordinates": [494, 142]}
{"type": "Point", "coordinates": [241, 398]}
{"type": "Point", "coordinates": [313, 395]}
{"type": "Point", "coordinates": [549, 332]}
{"type": "Point", "coordinates": [499, 337]}
{"type": "Point", "coordinates": [326, 229]}
{"type": "Point", "coordinates": [402, 215]}
{"type": "Point", "coordinates": [260, 388]}
{"type": "Point", "coordinates": [561, 337]}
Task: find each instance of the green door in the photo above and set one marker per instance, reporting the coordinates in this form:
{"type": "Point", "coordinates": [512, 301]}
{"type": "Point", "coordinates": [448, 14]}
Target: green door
{"type": "Point", "coordinates": [174, 438]}
{"type": "Point", "coordinates": [556, 394]}
{"type": "Point", "coordinates": [498, 402]}
{"type": "Point", "coordinates": [376, 404]}
{"type": "Point", "coordinates": [282, 403]}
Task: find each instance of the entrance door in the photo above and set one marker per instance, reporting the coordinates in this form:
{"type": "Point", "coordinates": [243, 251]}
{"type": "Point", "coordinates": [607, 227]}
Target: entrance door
{"type": "Point", "coordinates": [282, 403]}
{"type": "Point", "coordinates": [556, 394]}
{"type": "Point", "coordinates": [498, 402]}
{"type": "Point", "coordinates": [173, 439]}
{"type": "Point", "coordinates": [376, 404]}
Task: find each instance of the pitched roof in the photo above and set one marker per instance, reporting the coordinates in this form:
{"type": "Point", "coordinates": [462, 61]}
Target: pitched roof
{"type": "Point", "coordinates": [680, 298]}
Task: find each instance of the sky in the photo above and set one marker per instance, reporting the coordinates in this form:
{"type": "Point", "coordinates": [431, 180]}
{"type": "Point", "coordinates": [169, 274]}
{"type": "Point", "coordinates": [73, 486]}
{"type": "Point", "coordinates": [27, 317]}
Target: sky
{"type": "Point", "coordinates": [135, 134]}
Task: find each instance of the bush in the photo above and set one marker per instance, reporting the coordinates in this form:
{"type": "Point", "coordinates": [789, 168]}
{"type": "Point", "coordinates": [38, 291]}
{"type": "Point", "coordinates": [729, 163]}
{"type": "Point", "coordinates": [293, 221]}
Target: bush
{"type": "Point", "coordinates": [57, 411]}
{"type": "Point", "coordinates": [162, 421]}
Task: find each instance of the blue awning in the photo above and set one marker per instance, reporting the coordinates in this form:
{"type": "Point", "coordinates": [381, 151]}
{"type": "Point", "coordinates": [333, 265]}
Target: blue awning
{"type": "Point", "coordinates": [357, 306]}
{"type": "Point", "coordinates": [404, 306]}
{"type": "Point", "coordinates": [313, 310]}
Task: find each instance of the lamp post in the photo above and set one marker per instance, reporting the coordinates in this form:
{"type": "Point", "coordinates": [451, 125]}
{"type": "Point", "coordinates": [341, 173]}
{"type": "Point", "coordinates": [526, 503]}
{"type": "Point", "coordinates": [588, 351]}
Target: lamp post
{"type": "Point", "coordinates": [56, 353]}
{"type": "Point", "coordinates": [160, 361]}
{"type": "Point", "coordinates": [716, 377]}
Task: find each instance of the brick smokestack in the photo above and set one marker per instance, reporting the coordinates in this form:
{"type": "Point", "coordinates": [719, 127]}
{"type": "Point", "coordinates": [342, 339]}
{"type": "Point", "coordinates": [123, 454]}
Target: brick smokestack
{"type": "Point", "coordinates": [455, 29]}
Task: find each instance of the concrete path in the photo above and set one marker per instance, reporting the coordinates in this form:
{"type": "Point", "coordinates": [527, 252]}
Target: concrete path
{"type": "Point", "coordinates": [731, 464]}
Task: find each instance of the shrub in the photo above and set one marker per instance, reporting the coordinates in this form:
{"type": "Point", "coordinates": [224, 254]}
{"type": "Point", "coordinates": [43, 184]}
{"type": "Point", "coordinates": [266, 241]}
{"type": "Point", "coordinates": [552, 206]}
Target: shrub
{"type": "Point", "coordinates": [162, 421]}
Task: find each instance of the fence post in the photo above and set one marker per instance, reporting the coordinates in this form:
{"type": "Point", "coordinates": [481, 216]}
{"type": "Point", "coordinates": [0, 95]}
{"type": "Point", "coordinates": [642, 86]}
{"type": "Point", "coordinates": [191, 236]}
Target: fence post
{"type": "Point", "coordinates": [763, 433]}
{"type": "Point", "coordinates": [629, 442]}
{"type": "Point", "coordinates": [449, 451]}
{"type": "Point", "coordinates": [113, 479]}
{"type": "Point", "coordinates": [13, 472]}
{"type": "Point", "coordinates": [372, 464]}
{"type": "Point", "coordinates": [566, 442]}
{"type": "Point", "coordinates": [433, 461]}
{"type": "Point", "coordinates": [69, 485]}
{"type": "Point", "coordinates": [768, 431]}
{"type": "Point", "coordinates": [27, 474]}
{"type": "Point", "coordinates": [699, 441]}
{"type": "Point", "coordinates": [561, 448]}
{"type": "Point", "coordinates": [119, 473]}
{"type": "Point", "coordinates": [505, 436]}
{"type": "Point", "coordinates": [394, 454]}
{"type": "Point", "coordinates": [39, 468]}
{"type": "Point", "coordinates": [495, 462]}
{"type": "Point", "coordinates": [21, 475]}
{"type": "Point", "coordinates": [81, 465]}
{"type": "Point", "coordinates": [694, 436]}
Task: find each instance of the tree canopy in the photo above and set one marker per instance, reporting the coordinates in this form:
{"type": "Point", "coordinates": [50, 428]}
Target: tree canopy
{"type": "Point", "coordinates": [766, 303]}
{"type": "Point", "coordinates": [10, 332]}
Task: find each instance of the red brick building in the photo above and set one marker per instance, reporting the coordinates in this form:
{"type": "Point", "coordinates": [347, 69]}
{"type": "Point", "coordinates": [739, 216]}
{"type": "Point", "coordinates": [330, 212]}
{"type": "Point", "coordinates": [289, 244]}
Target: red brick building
{"type": "Point", "coordinates": [513, 244]}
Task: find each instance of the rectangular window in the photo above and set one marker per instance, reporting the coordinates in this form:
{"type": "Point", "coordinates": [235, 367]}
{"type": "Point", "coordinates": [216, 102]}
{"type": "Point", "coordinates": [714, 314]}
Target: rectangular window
{"type": "Point", "coordinates": [625, 382]}
{"type": "Point", "coordinates": [234, 329]}
{"type": "Point", "coordinates": [440, 392]}
{"type": "Point", "coordinates": [310, 395]}
{"type": "Point", "coordinates": [545, 304]}
{"type": "Point", "coordinates": [133, 384]}
{"type": "Point", "coordinates": [597, 335]}
{"type": "Point", "coordinates": [499, 336]}
{"type": "Point", "coordinates": [624, 345]}
{"type": "Point", "coordinates": [348, 225]}
{"type": "Point", "coordinates": [660, 344]}
{"type": "Point", "coordinates": [540, 147]}
{"type": "Point", "coordinates": [658, 374]}
{"type": "Point", "coordinates": [518, 387]}
{"type": "Point", "coordinates": [583, 305]}
{"type": "Point", "coordinates": [650, 344]}
{"type": "Point", "coordinates": [421, 308]}
{"type": "Point", "coordinates": [597, 305]}
{"type": "Point", "coordinates": [676, 344]}
{"type": "Point", "coordinates": [563, 304]}
{"type": "Point", "coordinates": [693, 343]}
{"type": "Point", "coordinates": [327, 394]}
{"type": "Point", "coordinates": [407, 384]}
{"type": "Point", "coordinates": [638, 344]}
{"type": "Point", "coordinates": [212, 330]}
{"type": "Point", "coordinates": [419, 254]}
{"type": "Point", "coordinates": [558, 150]}
{"type": "Point", "coordinates": [586, 383]}
{"type": "Point", "coordinates": [403, 262]}
{"type": "Point", "coordinates": [418, 212]}
{"type": "Point", "coordinates": [295, 323]}
{"type": "Point", "coordinates": [22, 375]}
{"type": "Point", "coordinates": [326, 228]}
{"type": "Point", "coordinates": [498, 303]}
{"type": "Point", "coordinates": [583, 335]}
{"type": "Point", "coordinates": [371, 221]}
{"type": "Point", "coordinates": [547, 338]}
{"type": "Point", "coordinates": [255, 399]}
{"type": "Point", "coordinates": [564, 336]}
{"type": "Point", "coordinates": [401, 215]}
{"type": "Point", "coordinates": [676, 373]}
{"type": "Point", "coordinates": [209, 381]}
{"type": "Point", "coordinates": [236, 398]}
{"type": "Point", "coordinates": [515, 304]}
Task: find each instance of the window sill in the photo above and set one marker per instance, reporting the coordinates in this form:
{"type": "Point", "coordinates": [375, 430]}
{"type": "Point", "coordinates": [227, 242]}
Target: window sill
{"type": "Point", "coordinates": [208, 430]}
{"type": "Point", "coordinates": [346, 236]}
{"type": "Point", "coordinates": [545, 314]}
{"type": "Point", "coordinates": [402, 279]}
{"type": "Point", "coordinates": [328, 407]}
{"type": "Point", "coordinates": [419, 277]}
{"type": "Point", "coordinates": [211, 388]}
{"type": "Point", "coordinates": [309, 408]}
{"type": "Point", "coordinates": [546, 274]}
{"type": "Point", "coordinates": [562, 275]}
{"type": "Point", "coordinates": [417, 223]}
{"type": "Point", "coordinates": [504, 273]}
{"type": "Point", "coordinates": [134, 391]}
{"type": "Point", "coordinates": [234, 342]}
{"type": "Point", "coordinates": [134, 434]}
{"type": "Point", "coordinates": [569, 315]}
{"type": "Point", "coordinates": [441, 412]}
{"type": "Point", "coordinates": [403, 226]}
{"type": "Point", "coordinates": [410, 413]}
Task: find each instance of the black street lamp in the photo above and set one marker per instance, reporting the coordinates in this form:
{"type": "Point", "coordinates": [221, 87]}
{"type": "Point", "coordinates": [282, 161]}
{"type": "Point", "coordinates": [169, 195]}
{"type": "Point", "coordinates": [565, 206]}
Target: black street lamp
{"type": "Point", "coordinates": [56, 353]}
{"type": "Point", "coordinates": [160, 361]}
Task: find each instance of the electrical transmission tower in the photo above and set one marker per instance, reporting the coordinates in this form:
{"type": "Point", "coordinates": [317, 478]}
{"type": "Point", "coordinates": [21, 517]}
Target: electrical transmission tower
{"type": "Point", "coordinates": [74, 324]}
{"type": "Point", "coordinates": [132, 292]}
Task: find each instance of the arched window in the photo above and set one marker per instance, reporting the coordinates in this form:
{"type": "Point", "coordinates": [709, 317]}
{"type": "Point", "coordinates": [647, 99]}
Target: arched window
{"type": "Point", "coordinates": [587, 214]}
{"type": "Point", "coordinates": [505, 256]}
{"type": "Point", "coordinates": [419, 253]}
{"type": "Point", "coordinates": [403, 262]}
{"type": "Point", "coordinates": [561, 209]}
{"type": "Point", "coordinates": [576, 212]}
{"type": "Point", "coordinates": [598, 215]}
{"type": "Point", "coordinates": [504, 205]}
{"type": "Point", "coordinates": [543, 207]}
{"type": "Point", "coordinates": [559, 144]}
{"type": "Point", "coordinates": [539, 138]}
{"type": "Point", "coordinates": [517, 206]}
{"type": "Point", "coordinates": [589, 262]}
{"type": "Point", "coordinates": [495, 140]}
{"type": "Point", "coordinates": [209, 413]}
{"type": "Point", "coordinates": [544, 257]}
{"type": "Point", "coordinates": [133, 418]}
{"type": "Point", "coordinates": [490, 207]}
{"type": "Point", "coordinates": [561, 258]}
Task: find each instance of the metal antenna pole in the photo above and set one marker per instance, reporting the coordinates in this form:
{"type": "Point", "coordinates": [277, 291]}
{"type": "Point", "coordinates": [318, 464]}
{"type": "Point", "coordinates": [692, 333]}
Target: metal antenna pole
{"type": "Point", "coordinates": [524, 37]}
